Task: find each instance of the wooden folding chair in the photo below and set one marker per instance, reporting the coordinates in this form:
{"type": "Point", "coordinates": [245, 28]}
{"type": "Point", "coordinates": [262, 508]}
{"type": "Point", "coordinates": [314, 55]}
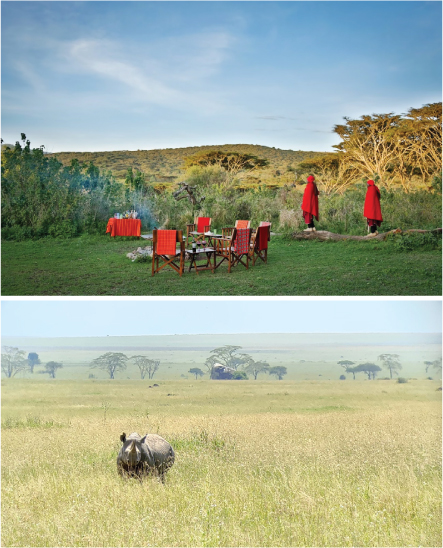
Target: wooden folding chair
{"type": "Point", "coordinates": [198, 228]}
{"type": "Point", "coordinates": [234, 249]}
{"type": "Point", "coordinates": [228, 230]}
{"type": "Point", "coordinates": [164, 248]}
{"type": "Point", "coordinates": [259, 243]}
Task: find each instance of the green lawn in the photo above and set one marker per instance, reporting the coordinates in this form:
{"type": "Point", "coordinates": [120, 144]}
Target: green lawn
{"type": "Point", "coordinates": [97, 265]}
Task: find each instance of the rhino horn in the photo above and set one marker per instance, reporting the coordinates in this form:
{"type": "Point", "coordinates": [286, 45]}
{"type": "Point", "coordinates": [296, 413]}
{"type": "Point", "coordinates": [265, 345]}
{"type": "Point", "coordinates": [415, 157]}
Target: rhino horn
{"type": "Point", "coordinates": [123, 438]}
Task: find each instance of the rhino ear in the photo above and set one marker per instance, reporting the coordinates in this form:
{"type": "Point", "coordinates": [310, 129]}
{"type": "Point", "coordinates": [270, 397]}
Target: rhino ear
{"type": "Point", "coordinates": [123, 438]}
{"type": "Point", "coordinates": [143, 439]}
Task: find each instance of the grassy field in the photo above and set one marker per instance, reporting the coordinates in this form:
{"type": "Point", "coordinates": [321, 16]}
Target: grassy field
{"type": "Point", "coordinates": [257, 464]}
{"type": "Point", "coordinates": [98, 266]}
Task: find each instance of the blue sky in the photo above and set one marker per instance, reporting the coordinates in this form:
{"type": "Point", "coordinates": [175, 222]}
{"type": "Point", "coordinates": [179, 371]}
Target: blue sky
{"type": "Point", "coordinates": [84, 318]}
{"type": "Point", "coordinates": [90, 76]}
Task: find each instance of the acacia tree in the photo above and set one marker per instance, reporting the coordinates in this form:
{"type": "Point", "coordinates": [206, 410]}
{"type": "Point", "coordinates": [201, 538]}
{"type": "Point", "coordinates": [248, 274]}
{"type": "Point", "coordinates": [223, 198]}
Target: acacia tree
{"type": "Point", "coordinates": [257, 367]}
{"type": "Point", "coordinates": [391, 362]}
{"type": "Point", "coordinates": [196, 371]}
{"type": "Point", "coordinates": [146, 365]}
{"type": "Point", "coordinates": [424, 146]}
{"type": "Point", "coordinates": [436, 364]}
{"type": "Point", "coordinates": [279, 371]}
{"type": "Point", "coordinates": [210, 363]}
{"type": "Point", "coordinates": [13, 361]}
{"type": "Point", "coordinates": [51, 369]}
{"type": "Point", "coordinates": [354, 370]}
{"type": "Point", "coordinates": [33, 360]}
{"type": "Point", "coordinates": [346, 364]}
{"type": "Point", "coordinates": [335, 175]}
{"type": "Point", "coordinates": [227, 356]}
{"type": "Point", "coordinates": [369, 143]}
{"type": "Point", "coordinates": [153, 368]}
{"type": "Point", "coordinates": [111, 362]}
{"type": "Point", "coordinates": [371, 369]}
{"type": "Point", "coordinates": [232, 162]}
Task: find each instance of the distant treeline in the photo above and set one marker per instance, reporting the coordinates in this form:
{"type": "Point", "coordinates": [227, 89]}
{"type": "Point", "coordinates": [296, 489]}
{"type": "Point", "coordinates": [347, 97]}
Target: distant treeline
{"type": "Point", "coordinates": [66, 194]}
{"type": "Point", "coordinates": [165, 167]}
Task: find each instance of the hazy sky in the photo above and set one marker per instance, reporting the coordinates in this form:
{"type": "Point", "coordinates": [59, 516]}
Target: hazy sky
{"type": "Point", "coordinates": [89, 76]}
{"type": "Point", "coordinates": [81, 318]}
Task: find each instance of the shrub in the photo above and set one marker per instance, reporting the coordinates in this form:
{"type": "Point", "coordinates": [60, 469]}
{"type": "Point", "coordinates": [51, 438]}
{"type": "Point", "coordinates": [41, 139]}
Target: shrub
{"type": "Point", "coordinates": [410, 242]}
{"type": "Point", "coordinates": [41, 197]}
{"type": "Point", "coordinates": [239, 376]}
{"type": "Point", "coordinates": [342, 378]}
{"type": "Point", "coordinates": [402, 380]}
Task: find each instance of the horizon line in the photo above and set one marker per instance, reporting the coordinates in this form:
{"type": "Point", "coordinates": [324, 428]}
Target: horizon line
{"type": "Point", "coordinates": [238, 333]}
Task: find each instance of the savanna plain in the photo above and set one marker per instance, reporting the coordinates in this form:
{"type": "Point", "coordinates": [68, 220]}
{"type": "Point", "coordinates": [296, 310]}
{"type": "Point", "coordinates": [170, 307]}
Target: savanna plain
{"type": "Point", "coordinates": [258, 463]}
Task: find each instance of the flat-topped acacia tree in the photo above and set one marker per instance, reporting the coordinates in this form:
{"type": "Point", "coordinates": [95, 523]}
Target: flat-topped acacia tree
{"type": "Point", "coordinates": [111, 362]}
{"type": "Point", "coordinates": [279, 371]}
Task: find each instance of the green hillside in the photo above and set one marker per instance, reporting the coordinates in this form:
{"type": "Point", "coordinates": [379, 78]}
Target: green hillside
{"type": "Point", "coordinates": [166, 165]}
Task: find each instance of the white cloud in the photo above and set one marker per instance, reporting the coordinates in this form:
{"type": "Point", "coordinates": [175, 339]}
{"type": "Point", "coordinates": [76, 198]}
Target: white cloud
{"type": "Point", "coordinates": [156, 74]}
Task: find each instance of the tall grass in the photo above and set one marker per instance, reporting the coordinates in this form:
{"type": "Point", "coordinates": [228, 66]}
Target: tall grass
{"type": "Point", "coordinates": [308, 464]}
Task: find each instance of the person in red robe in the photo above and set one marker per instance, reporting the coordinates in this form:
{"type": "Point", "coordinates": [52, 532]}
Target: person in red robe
{"type": "Point", "coordinates": [310, 203]}
{"type": "Point", "coordinates": [372, 209]}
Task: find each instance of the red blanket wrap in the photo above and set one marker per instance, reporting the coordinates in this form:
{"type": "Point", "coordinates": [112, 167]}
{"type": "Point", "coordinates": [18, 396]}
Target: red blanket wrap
{"type": "Point", "coordinates": [372, 209]}
{"type": "Point", "coordinates": [310, 199]}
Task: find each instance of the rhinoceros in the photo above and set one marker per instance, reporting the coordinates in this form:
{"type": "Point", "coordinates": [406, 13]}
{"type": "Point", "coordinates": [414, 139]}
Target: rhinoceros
{"type": "Point", "coordinates": [142, 456]}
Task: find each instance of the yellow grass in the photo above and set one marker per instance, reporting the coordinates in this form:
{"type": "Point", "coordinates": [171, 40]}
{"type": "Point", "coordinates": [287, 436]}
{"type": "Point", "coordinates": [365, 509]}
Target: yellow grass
{"type": "Point", "coordinates": [257, 464]}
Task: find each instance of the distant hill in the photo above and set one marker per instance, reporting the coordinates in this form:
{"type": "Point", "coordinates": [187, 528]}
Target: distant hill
{"type": "Point", "coordinates": [165, 165]}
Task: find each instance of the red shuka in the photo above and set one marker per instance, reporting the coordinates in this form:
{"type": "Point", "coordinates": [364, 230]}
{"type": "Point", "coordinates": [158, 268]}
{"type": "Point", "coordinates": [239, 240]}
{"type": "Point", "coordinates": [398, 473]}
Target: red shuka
{"type": "Point", "coordinates": [310, 198]}
{"type": "Point", "coordinates": [372, 209]}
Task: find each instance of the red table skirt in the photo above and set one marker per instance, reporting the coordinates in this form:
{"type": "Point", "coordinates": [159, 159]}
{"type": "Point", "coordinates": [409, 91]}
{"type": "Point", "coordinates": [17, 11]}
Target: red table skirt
{"type": "Point", "coordinates": [124, 227]}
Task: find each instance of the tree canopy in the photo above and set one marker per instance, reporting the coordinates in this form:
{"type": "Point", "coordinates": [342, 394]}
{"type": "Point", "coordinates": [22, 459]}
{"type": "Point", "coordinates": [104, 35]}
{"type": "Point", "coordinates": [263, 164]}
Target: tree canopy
{"type": "Point", "coordinates": [51, 369]}
{"type": "Point", "coordinates": [232, 162]}
{"type": "Point", "coordinates": [392, 146]}
{"type": "Point", "coordinates": [146, 366]}
{"type": "Point", "coordinates": [391, 362]}
{"type": "Point", "coordinates": [33, 360]}
{"type": "Point", "coordinates": [371, 369]}
{"type": "Point", "coordinates": [256, 367]}
{"type": "Point", "coordinates": [111, 362]}
{"type": "Point", "coordinates": [13, 361]}
{"type": "Point", "coordinates": [279, 371]}
{"type": "Point", "coordinates": [196, 371]}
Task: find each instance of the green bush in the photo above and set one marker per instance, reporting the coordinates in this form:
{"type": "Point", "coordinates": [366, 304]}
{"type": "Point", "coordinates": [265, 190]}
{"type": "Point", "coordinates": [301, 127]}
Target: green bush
{"type": "Point", "coordinates": [412, 241]}
{"type": "Point", "coordinates": [41, 197]}
{"type": "Point", "coordinates": [239, 376]}
{"type": "Point", "coordinates": [402, 380]}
